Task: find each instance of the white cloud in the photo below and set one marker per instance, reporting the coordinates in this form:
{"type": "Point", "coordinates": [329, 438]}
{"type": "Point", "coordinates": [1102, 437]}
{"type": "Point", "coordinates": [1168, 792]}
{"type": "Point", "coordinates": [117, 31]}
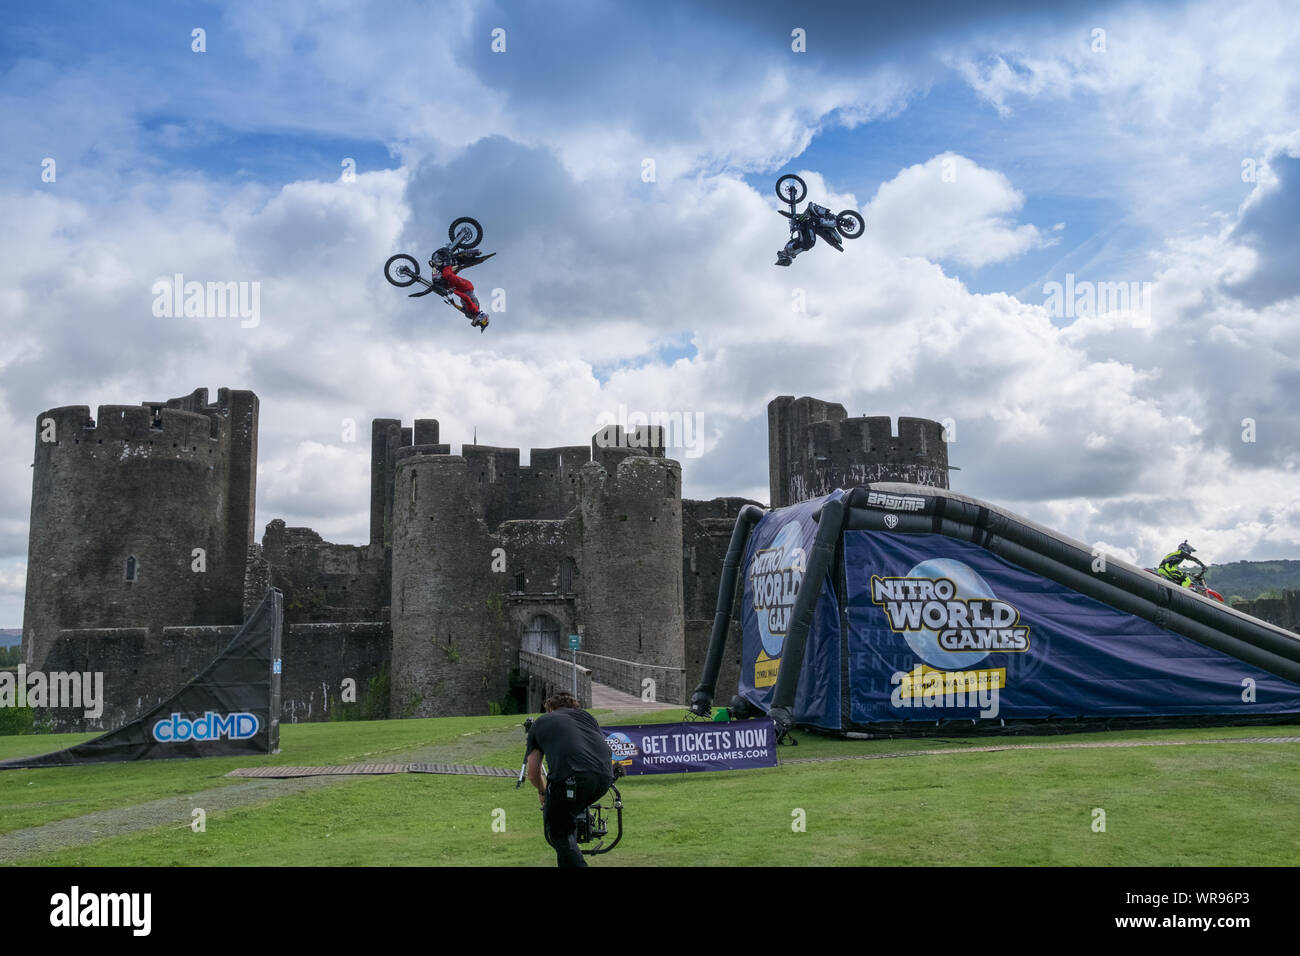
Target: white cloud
{"type": "Point", "coordinates": [951, 209]}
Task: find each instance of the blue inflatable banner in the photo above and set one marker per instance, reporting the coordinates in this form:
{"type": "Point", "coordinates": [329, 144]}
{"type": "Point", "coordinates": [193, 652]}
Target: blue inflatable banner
{"type": "Point", "coordinates": [775, 560]}
{"type": "Point", "coordinates": [939, 628]}
{"type": "Point", "coordinates": [699, 745]}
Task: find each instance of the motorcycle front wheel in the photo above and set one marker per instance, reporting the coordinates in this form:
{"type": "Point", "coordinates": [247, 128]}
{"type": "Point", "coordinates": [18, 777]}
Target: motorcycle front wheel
{"type": "Point", "coordinates": [401, 270]}
{"type": "Point", "coordinates": [791, 189]}
{"type": "Point", "coordinates": [850, 224]}
{"type": "Point", "coordinates": [474, 226]}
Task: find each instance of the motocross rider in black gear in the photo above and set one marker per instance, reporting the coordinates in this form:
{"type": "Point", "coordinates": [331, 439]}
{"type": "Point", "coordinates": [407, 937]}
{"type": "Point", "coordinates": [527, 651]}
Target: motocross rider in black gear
{"type": "Point", "coordinates": [803, 232]}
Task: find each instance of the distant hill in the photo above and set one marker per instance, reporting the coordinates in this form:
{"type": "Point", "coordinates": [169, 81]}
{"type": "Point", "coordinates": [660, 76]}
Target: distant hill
{"type": "Point", "coordinates": [1249, 580]}
{"type": "Point", "coordinates": [10, 636]}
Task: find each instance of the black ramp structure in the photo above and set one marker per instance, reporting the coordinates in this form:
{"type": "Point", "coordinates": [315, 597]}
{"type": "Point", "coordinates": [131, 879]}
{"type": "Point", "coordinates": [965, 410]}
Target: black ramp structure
{"type": "Point", "coordinates": [231, 708]}
{"type": "Point", "coordinates": [909, 609]}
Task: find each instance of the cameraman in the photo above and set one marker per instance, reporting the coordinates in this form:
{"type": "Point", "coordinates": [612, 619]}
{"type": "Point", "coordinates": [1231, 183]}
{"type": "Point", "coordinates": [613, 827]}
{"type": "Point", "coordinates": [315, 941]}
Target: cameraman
{"type": "Point", "coordinates": [579, 771]}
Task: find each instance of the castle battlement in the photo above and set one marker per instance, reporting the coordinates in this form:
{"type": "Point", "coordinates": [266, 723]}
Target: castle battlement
{"type": "Point", "coordinates": [494, 464]}
{"type": "Point", "coordinates": [875, 434]}
{"type": "Point", "coordinates": [409, 451]}
{"type": "Point", "coordinates": [559, 463]}
{"type": "Point", "coordinates": [187, 423]}
{"type": "Point", "coordinates": [814, 448]}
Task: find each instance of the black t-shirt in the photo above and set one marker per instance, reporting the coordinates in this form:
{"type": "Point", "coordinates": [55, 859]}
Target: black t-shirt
{"type": "Point", "coordinates": [571, 741]}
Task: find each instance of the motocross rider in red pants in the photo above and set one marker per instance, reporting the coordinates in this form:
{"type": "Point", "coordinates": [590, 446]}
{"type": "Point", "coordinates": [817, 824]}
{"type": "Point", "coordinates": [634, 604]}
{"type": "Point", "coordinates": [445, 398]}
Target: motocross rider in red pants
{"type": "Point", "coordinates": [463, 288]}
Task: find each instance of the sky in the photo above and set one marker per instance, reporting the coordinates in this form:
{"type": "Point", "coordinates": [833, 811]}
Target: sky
{"type": "Point", "coordinates": [1015, 164]}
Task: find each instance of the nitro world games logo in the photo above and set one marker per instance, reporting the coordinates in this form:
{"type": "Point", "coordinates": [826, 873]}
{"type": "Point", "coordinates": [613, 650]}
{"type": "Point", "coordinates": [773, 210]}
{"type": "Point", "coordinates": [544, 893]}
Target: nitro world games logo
{"type": "Point", "coordinates": [952, 620]}
{"type": "Point", "coordinates": [621, 748]}
{"type": "Point", "coordinates": [774, 577]}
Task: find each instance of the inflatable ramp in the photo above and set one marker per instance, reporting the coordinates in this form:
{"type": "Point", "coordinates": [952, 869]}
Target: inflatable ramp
{"type": "Point", "coordinates": [232, 707]}
{"type": "Point", "coordinates": [907, 609]}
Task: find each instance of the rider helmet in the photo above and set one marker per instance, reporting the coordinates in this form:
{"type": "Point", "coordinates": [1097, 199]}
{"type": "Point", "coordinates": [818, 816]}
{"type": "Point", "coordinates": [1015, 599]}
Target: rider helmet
{"type": "Point", "coordinates": [1186, 548]}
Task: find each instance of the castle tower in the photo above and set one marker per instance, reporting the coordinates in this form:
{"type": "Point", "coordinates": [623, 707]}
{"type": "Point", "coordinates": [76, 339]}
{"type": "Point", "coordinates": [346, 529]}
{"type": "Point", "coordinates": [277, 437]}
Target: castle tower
{"type": "Point", "coordinates": [632, 560]}
{"type": "Point", "coordinates": [120, 503]}
{"type": "Point", "coordinates": [452, 653]}
{"type": "Point", "coordinates": [814, 447]}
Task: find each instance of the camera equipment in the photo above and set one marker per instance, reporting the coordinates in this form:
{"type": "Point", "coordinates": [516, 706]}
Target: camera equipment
{"type": "Point", "coordinates": [591, 822]}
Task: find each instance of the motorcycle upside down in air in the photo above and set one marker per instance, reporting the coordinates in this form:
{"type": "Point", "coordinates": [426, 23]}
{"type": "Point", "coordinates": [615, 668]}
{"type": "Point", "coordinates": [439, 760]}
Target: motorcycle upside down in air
{"type": "Point", "coordinates": [464, 235]}
{"type": "Point", "coordinates": [815, 219]}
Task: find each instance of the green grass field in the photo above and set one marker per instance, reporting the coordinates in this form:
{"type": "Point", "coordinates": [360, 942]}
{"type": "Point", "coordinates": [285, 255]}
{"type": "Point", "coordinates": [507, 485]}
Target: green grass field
{"type": "Point", "coordinates": [1202, 804]}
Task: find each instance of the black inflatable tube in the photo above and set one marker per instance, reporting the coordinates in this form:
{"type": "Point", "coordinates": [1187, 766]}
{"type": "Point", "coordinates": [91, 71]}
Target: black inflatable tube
{"type": "Point", "coordinates": [702, 699]}
{"type": "Point", "coordinates": [1122, 586]}
{"type": "Point", "coordinates": [1227, 637]}
{"type": "Point", "coordinates": [1128, 589]}
{"type": "Point", "coordinates": [1272, 650]}
{"type": "Point", "coordinates": [967, 513]}
{"type": "Point", "coordinates": [1262, 656]}
{"type": "Point", "coordinates": [830, 525]}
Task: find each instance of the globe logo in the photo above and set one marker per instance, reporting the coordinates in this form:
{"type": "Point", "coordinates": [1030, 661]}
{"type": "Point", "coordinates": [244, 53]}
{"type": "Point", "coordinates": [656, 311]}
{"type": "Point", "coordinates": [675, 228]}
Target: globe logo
{"type": "Point", "coordinates": [925, 642]}
{"type": "Point", "coordinates": [774, 577]}
{"type": "Point", "coordinates": [621, 748]}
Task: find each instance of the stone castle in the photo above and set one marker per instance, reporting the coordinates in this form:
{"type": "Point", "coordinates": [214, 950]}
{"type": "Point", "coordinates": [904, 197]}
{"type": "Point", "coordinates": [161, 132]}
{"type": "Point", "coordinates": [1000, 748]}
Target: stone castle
{"type": "Point", "coordinates": [142, 561]}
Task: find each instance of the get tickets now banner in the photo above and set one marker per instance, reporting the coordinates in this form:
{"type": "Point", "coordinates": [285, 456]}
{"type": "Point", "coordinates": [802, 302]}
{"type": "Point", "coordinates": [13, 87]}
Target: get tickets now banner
{"type": "Point", "coordinates": [699, 745]}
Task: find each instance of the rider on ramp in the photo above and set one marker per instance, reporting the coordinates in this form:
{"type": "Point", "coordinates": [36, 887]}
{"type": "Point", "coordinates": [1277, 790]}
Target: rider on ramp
{"type": "Point", "coordinates": [1169, 565]}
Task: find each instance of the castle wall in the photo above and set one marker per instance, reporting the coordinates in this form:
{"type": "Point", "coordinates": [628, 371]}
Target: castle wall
{"type": "Point", "coordinates": [153, 482]}
{"type": "Point", "coordinates": [322, 581]}
{"type": "Point", "coordinates": [317, 660]}
{"type": "Point", "coordinates": [1283, 611]}
{"type": "Point", "coordinates": [452, 647]}
{"type": "Point", "coordinates": [706, 534]}
{"type": "Point", "coordinates": [698, 633]}
{"type": "Point", "coordinates": [631, 560]}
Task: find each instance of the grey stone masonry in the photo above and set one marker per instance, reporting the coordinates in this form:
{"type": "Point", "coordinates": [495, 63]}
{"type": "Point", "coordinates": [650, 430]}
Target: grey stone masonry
{"type": "Point", "coordinates": [814, 448]}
